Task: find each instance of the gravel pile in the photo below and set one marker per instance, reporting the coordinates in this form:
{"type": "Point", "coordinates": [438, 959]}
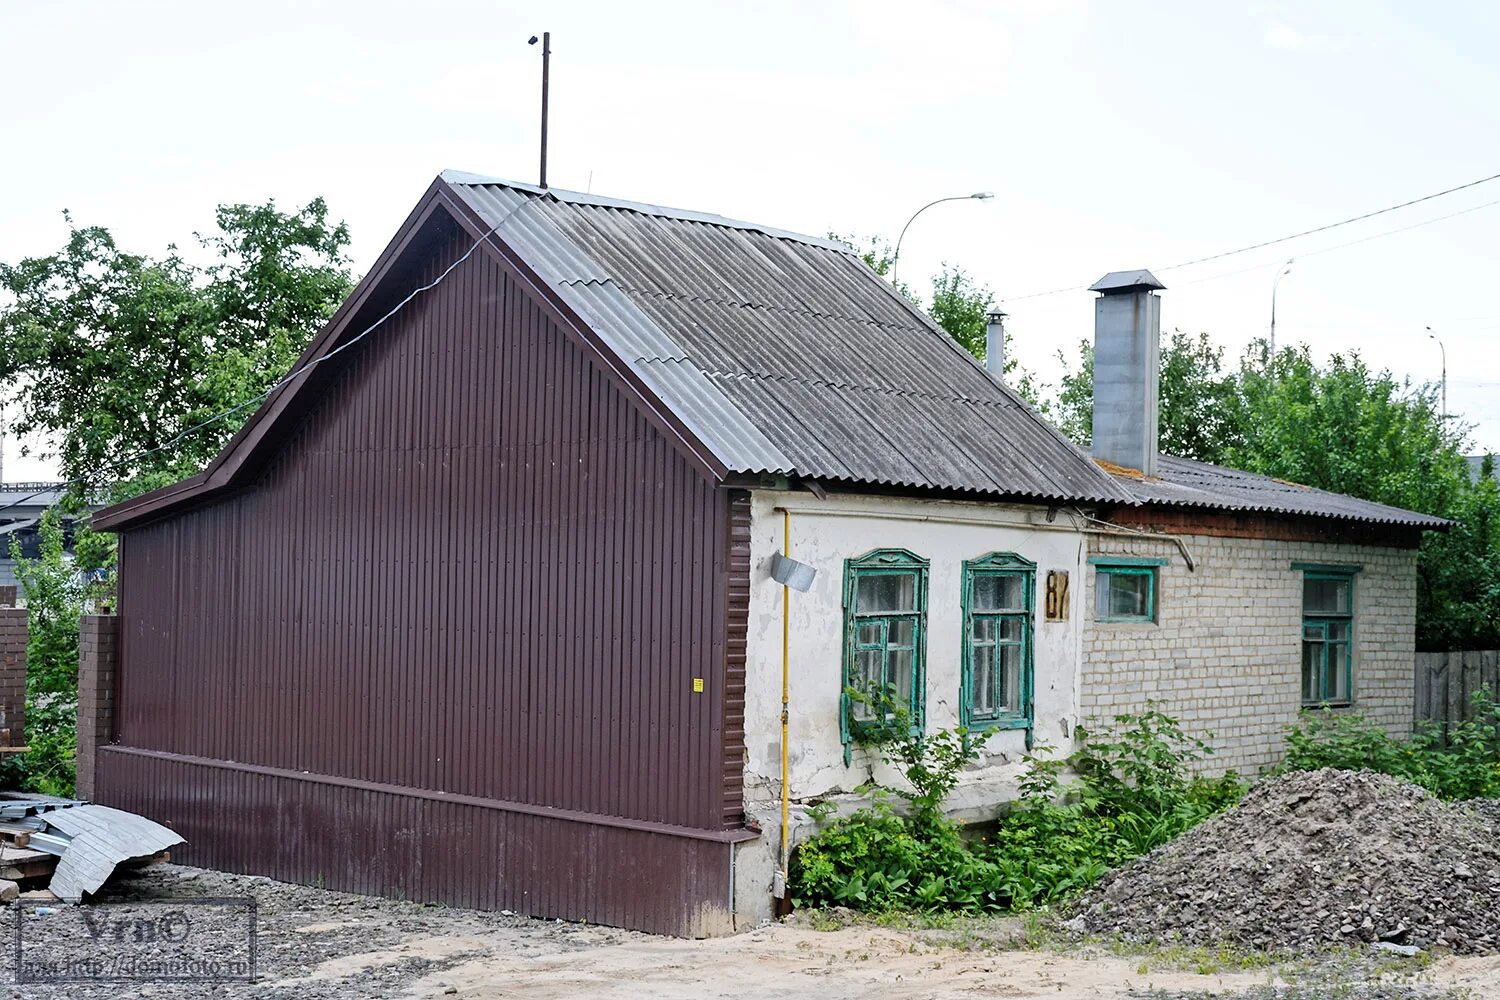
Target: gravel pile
{"type": "Point", "coordinates": [1317, 858]}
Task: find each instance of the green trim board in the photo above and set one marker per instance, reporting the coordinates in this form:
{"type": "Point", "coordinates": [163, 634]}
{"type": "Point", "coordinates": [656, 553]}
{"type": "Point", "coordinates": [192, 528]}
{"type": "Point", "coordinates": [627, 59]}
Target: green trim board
{"type": "Point", "coordinates": [1129, 561]}
{"type": "Point", "coordinates": [1341, 569]}
{"type": "Point", "coordinates": [878, 638]}
{"type": "Point", "coordinates": [989, 635]}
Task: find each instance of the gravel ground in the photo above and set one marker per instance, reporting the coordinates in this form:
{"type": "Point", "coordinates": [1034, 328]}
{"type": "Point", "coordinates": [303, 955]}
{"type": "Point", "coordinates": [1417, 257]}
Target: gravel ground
{"type": "Point", "coordinates": [1312, 860]}
{"type": "Point", "coordinates": [320, 945]}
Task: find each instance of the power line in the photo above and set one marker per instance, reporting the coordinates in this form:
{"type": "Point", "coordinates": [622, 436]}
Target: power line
{"type": "Point", "coordinates": [1285, 239]}
{"type": "Point", "coordinates": [285, 380]}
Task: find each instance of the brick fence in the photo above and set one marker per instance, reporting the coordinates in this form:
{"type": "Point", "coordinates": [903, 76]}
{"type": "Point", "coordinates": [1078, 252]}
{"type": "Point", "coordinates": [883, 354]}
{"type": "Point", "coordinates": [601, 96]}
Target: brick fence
{"type": "Point", "coordinates": [97, 649]}
{"type": "Point", "coordinates": [12, 672]}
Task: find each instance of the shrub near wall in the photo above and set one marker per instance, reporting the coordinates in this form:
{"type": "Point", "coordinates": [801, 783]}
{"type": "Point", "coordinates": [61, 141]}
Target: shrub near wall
{"type": "Point", "coordinates": [1133, 793]}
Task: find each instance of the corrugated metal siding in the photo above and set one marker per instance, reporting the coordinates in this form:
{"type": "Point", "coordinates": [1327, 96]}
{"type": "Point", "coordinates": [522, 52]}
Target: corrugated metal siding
{"type": "Point", "coordinates": [459, 853]}
{"type": "Point", "coordinates": [475, 568]}
{"type": "Point", "coordinates": [783, 353]}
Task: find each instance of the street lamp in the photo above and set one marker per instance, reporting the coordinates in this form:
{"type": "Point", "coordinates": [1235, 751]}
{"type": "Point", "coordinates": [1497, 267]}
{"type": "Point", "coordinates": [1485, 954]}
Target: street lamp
{"type": "Point", "coordinates": [896, 258]}
{"type": "Point", "coordinates": [1444, 355]}
{"type": "Point", "coordinates": [1285, 270]}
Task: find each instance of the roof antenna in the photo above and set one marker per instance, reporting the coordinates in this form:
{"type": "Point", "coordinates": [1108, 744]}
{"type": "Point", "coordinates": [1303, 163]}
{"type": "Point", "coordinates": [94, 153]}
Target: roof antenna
{"type": "Point", "coordinates": [546, 65]}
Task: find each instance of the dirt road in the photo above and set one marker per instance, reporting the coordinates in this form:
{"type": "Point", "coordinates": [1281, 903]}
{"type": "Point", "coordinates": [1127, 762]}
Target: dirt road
{"type": "Point", "coordinates": [318, 945]}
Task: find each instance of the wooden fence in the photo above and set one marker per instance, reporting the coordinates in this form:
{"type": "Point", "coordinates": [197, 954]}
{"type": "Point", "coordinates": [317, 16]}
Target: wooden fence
{"type": "Point", "coordinates": [1446, 683]}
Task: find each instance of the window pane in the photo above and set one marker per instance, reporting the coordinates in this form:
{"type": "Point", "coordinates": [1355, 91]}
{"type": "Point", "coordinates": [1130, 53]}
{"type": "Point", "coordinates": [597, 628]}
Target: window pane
{"type": "Point", "coordinates": [877, 592]}
{"type": "Point", "coordinates": [901, 675]}
{"type": "Point", "coordinates": [1010, 678]}
{"type": "Point", "coordinates": [984, 630]}
{"type": "Point", "coordinates": [1010, 629]}
{"type": "Point", "coordinates": [1338, 680]}
{"type": "Point", "coordinates": [1338, 631]}
{"type": "Point", "coordinates": [866, 681]}
{"type": "Point", "coordinates": [1122, 595]}
{"type": "Point", "coordinates": [900, 633]}
{"type": "Point", "coordinates": [983, 694]}
{"type": "Point", "coordinates": [999, 592]}
{"type": "Point", "coordinates": [1312, 665]}
{"type": "Point", "coordinates": [1327, 597]}
{"type": "Point", "coordinates": [871, 633]}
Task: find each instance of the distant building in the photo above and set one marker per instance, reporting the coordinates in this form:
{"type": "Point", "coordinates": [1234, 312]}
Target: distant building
{"type": "Point", "coordinates": [1476, 464]}
{"type": "Point", "coordinates": [21, 508]}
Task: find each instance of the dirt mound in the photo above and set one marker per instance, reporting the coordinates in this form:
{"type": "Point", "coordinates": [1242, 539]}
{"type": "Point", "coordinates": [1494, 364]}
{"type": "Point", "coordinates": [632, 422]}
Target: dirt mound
{"type": "Point", "coordinates": [1317, 858]}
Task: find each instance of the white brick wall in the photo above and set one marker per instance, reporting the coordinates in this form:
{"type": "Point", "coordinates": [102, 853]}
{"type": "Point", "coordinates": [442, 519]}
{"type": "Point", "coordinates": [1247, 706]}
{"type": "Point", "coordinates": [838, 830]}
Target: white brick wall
{"type": "Point", "coordinates": [1225, 654]}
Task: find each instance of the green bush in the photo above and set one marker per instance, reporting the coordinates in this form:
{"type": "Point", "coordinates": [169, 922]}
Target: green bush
{"type": "Point", "coordinates": [1465, 765]}
{"type": "Point", "coordinates": [1133, 793]}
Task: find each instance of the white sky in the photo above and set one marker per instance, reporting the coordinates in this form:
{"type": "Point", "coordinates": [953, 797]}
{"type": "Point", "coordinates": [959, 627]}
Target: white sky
{"type": "Point", "coordinates": [1114, 135]}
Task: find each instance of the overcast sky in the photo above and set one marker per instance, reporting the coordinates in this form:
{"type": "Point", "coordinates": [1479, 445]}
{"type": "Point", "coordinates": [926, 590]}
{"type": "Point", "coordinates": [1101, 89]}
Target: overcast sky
{"type": "Point", "coordinates": [1114, 136]}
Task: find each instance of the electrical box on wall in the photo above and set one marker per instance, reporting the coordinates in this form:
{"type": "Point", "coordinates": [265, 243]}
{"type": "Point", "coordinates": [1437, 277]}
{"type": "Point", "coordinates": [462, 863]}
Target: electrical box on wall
{"type": "Point", "coordinates": [1057, 595]}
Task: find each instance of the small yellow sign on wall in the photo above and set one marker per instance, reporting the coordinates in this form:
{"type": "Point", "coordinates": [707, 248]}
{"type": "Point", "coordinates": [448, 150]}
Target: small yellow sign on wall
{"type": "Point", "coordinates": [697, 685]}
{"type": "Point", "coordinates": [1057, 595]}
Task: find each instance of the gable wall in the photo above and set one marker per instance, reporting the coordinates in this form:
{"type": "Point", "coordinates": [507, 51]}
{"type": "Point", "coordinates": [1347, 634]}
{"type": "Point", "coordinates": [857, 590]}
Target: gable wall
{"type": "Point", "coordinates": [474, 568]}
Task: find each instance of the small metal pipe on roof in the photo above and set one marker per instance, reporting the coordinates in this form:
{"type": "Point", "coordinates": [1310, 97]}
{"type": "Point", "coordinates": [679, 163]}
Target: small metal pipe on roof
{"type": "Point", "coordinates": [994, 345]}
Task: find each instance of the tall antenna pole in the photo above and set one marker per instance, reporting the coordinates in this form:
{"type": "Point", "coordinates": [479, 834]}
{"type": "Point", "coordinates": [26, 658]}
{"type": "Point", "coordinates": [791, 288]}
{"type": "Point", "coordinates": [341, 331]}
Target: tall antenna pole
{"type": "Point", "coordinates": [546, 69]}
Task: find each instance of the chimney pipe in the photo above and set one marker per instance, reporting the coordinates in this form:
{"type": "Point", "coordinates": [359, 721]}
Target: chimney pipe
{"type": "Point", "coordinates": [1127, 351]}
{"type": "Point", "coordinates": [994, 345]}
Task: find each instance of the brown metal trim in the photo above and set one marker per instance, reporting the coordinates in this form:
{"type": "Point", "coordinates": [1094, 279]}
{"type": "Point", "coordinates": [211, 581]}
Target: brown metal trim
{"type": "Point", "coordinates": [545, 812]}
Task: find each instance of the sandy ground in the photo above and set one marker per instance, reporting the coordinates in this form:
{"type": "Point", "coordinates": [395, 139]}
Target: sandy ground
{"type": "Point", "coordinates": [318, 945]}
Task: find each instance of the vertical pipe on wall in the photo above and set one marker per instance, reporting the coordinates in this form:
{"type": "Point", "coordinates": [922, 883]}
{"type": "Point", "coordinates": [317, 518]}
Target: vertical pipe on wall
{"type": "Point", "coordinates": [786, 698]}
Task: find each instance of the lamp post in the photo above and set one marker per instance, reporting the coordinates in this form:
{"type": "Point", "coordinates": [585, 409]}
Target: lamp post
{"type": "Point", "coordinates": [1444, 355]}
{"type": "Point", "coordinates": [896, 258]}
{"type": "Point", "coordinates": [1285, 270]}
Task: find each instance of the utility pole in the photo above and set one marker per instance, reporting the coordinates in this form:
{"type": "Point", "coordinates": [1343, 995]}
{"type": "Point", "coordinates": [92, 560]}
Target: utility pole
{"type": "Point", "coordinates": [546, 71]}
{"type": "Point", "coordinates": [1286, 269]}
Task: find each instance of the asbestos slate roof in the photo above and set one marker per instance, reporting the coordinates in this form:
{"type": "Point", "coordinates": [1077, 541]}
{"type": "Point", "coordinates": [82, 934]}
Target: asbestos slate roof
{"type": "Point", "coordinates": [784, 353]}
{"type": "Point", "coordinates": [1182, 482]}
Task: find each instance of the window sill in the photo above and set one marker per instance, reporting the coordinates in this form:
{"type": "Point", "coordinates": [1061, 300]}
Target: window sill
{"type": "Point", "coordinates": [990, 725]}
{"type": "Point", "coordinates": [1125, 621]}
{"type": "Point", "coordinates": [1334, 705]}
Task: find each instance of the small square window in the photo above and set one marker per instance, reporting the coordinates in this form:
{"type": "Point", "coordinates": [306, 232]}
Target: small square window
{"type": "Point", "coordinates": [1124, 593]}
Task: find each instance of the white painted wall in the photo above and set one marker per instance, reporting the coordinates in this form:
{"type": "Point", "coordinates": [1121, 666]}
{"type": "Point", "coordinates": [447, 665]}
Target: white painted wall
{"type": "Point", "coordinates": [824, 534]}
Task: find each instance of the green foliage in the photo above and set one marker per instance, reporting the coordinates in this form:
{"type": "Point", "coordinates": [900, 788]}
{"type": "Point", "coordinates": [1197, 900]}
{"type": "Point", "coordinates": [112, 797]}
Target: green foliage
{"type": "Point", "coordinates": [1340, 427]}
{"type": "Point", "coordinates": [1465, 765]}
{"type": "Point", "coordinates": [930, 762]}
{"type": "Point", "coordinates": [1134, 792]}
{"type": "Point", "coordinates": [111, 353]}
{"type": "Point", "coordinates": [55, 597]}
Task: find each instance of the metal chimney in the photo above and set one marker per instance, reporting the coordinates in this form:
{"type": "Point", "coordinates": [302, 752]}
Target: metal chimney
{"type": "Point", "coordinates": [1127, 350]}
{"type": "Point", "coordinates": [994, 345]}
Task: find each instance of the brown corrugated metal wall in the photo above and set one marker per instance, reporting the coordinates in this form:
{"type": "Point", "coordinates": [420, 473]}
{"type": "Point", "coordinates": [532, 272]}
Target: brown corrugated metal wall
{"type": "Point", "coordinates": [476, 570]}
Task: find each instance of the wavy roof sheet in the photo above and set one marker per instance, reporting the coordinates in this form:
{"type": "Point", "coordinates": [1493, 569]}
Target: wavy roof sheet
{"type": "Point", "coordinates": [1182, 482]}
{"type": "Point", "coordinates": [785, 353]}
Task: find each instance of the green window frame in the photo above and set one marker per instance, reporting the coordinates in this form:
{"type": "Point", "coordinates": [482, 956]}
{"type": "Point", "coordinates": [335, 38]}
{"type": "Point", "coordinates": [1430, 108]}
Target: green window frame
{"type": "Point", "coordinates": [1327, 635]}
{"type": "Point", "coordinates": [1135, 598]}
{"type": "Point", "coordinates": [999, 609]}
{"type": "Point", "coordinates": [885, 641]}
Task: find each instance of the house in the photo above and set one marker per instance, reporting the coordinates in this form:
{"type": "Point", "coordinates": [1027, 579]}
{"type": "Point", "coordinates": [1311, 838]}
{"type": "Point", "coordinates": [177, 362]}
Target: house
{"type": "Point", "coordinates": [21, 508]}
{"type": "Point", "coordinates": [1476, 466]}
{"type": "Point", "coordinates": [481, 609]}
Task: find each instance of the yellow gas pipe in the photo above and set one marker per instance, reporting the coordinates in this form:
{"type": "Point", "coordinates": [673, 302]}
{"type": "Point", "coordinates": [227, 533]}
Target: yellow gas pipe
{"type": "Point", "coordinates": [786, 698]}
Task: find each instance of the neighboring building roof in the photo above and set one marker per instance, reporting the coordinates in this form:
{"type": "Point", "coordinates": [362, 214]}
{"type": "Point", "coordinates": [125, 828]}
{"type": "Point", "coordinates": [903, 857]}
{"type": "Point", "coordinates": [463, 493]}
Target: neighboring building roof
{"type": "Point", "coordinates": [22, 499]}
{"type": "Point", "coordinates": [1183, 482]}
{"type": "Point", "coordinates": [784, 353]}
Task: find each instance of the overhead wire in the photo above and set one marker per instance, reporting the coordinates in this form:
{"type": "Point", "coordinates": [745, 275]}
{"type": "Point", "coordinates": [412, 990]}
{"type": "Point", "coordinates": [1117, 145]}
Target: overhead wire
{"type": "Point", "coordinates": [279, 384]}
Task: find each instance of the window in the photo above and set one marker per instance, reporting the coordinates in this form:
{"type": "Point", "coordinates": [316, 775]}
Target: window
{"type": "Point", "coordinates": [1125, 588]}
{"type": "Point", "coordinates": [998, 606]}
{"type": "Point", "coordinates": [1327, 634]}
{"type": "Point", "coordinates": [885, 623]}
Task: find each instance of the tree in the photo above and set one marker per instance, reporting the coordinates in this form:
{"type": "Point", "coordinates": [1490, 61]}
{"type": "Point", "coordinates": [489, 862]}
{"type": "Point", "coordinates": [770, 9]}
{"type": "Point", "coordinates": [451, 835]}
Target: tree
{"type": "Point", "coordinates": [1200, 412]}
{"type": "Point", "coordinates": [117, 355]}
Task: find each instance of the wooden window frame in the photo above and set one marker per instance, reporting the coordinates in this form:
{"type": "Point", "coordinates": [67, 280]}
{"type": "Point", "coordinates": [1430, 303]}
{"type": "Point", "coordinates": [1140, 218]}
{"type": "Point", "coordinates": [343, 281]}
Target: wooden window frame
{"type": "Point", "coordinates": [1321, 620]}
{"type": "Point", "coordinates": [882, 562]}
{"type": "Point", "coordinates": [999, 564]}
{"type": "Point", "coordinates": [1147, 567]}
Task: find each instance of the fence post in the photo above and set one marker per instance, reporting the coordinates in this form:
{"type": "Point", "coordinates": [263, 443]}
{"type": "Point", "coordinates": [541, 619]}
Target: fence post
{"type": "Point", "coordinates": [97, 656]}
{"type": "Point", "coordinates": [12, 670]}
